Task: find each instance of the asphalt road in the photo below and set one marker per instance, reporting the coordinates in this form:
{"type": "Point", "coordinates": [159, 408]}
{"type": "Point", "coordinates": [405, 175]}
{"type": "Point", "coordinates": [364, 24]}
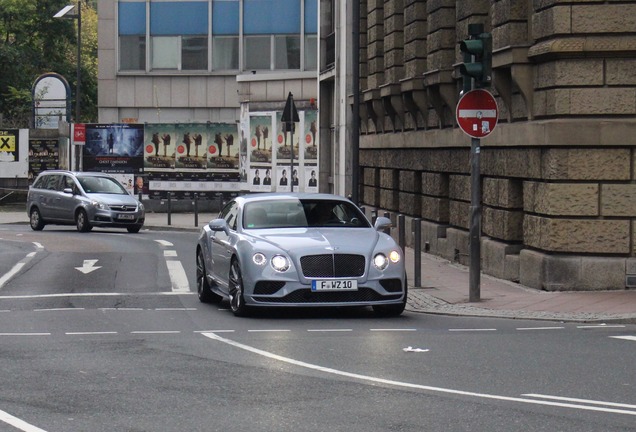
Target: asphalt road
{"type": "Point", "coordinates": [102, 332]}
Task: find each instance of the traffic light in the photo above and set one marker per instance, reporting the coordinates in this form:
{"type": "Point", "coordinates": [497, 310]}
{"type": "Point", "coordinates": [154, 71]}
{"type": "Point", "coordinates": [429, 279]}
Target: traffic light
{"type": "Point", "coordinates": [477, 63]}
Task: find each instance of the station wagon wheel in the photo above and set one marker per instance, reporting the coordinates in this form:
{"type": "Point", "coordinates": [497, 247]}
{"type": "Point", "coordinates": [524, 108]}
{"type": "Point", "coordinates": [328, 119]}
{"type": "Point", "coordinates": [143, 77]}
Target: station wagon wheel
{"type": "Point", "coordinates": [237, 301]}
{"type": "Point", "coordinates": [35, 220]}
{"type": "Point", "coordinates": [203, 287]}
{"type": "Point", "coordinates": [81, 221]}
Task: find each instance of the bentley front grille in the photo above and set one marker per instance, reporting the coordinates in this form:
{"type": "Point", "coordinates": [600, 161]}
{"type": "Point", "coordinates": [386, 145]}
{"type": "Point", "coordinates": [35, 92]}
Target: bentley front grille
{"type": "Point", "coordinates": [332, 265]}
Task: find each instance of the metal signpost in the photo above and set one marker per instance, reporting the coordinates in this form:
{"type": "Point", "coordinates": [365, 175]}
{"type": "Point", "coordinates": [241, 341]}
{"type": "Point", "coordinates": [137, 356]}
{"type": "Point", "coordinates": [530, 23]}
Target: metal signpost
{"type": "Point", "coordinates": [290, 117]}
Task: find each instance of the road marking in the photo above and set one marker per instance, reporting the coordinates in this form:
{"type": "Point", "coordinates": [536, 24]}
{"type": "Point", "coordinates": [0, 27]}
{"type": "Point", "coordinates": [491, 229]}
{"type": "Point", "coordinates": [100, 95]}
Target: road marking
{"type": "Point", "coordinates": [178, 277]}
{"type": "Point", "coordinates": [170, 253]}
{"type": "Point", "coordinates": [90, 333]}
{"type": "Point", "coordinates": [403, 384]}
{"type": "Point", "coordinates": [175, 309]}
{"type": "Point", "coordinates": [155, 332]}
{"type": "Point", "coordinates": [17, 423]}
{"type": "Point", "coordinates": [600, 326]}
{"type": "Point", "coordinates": [38, 245]}
{"type": "Point", "coordinates": [88, 266]}
{"type": "Point", "coordinates": [214, 331]}
{"type": "Point", "coordinates": [60, 295]}
{"type": "Point", "coordinates": [120, 309]}
{"type": "Point", "coordinates": [164, 243]}
{"type": "Point", "coordinates": [586, 401]}
{"type": "Point", "coordinates": [629, 338]}
{"type": "Point", "coordinates": [473, 330]}
{"type": "Point", "coordinates": [329, 330]}
{"type": "Point", "coordinates": [25, 334]}
{"type": "Point", "coordinates": [8, 275]}
{"type": "Point", "coordinates": [268, 330]}
{"type": "Point", "coordinates": [393, 330]}
{"type": "Point", "coordinates": [58, 309]}
{"type": "Point", "coordinates": [540, 328]}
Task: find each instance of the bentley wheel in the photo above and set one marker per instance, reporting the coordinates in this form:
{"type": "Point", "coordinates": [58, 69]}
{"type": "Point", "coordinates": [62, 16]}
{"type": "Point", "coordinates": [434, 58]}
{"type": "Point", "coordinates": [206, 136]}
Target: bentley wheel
{"type": "Point", "coordinates": [237, 301]}
{"type": "Point", "coordinates": [203, 287]}
{"type": "Point", "coordinates": [81, 221]}
{"type": "Point", "coordinates": [35, 220]}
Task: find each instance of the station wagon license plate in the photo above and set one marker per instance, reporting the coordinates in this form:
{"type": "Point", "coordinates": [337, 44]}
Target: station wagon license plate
{"type": "Point", "coordinates": [126, 216]}
{"type": "Point", "coordinates": [334, 285]}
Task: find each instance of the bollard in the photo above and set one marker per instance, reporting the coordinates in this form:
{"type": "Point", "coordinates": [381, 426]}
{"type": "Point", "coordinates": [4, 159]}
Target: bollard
{"type": "Point", "coordinates": [401, 231]}
{"type": "Point", "coordinates": [169, 208]}
{"type": "Point", "coordinates": [417, 250]}
{"type": "Point", "coordinates": [387, 230]}
{"type": "Point", "coordinates": [196, 209]}
{"type": "Point", "coordinates": [374, 216]}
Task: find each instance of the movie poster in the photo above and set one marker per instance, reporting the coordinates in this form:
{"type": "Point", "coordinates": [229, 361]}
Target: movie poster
{"type": "Point", "coordinates": [192, 140]}
{"type": "Point", "coordinates": [284, 148]}
{"type": "Point", "coordinates": [114, 148]}
{"type": "Point", "coordinates": [159, 148]}
{"type": "Point", "coordinates": [261, 139]}
{"type": "Point", "coordinates": [223, 150]}
{"type": "Point", "coordinates": [311, 136]}
{"type": "Point", "coordinates": [43, 155]}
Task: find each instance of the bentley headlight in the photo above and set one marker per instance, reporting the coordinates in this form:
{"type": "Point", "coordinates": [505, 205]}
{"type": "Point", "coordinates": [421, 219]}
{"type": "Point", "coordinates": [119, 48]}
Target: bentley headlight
{"type": "Point", "coordinates": [280, 263]}
{"type": "Point", "coordinates": [380, 261]}
{"type": "Point", "coordinates": [394, 256]}
{"type": "Point", "coordinates": [259, 259]}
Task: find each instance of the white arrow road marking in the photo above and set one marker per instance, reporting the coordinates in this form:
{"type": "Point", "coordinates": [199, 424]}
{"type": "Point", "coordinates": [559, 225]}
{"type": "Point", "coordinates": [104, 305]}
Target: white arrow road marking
{"type": "Point", "coordinates": [88, 266]}
{"type": "Point", "coordinates": [629, 338]}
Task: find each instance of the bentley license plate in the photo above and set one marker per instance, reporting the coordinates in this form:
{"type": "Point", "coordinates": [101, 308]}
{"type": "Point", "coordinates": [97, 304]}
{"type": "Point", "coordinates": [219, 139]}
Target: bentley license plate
{"type": "Point", "coordinates": [334, 285]}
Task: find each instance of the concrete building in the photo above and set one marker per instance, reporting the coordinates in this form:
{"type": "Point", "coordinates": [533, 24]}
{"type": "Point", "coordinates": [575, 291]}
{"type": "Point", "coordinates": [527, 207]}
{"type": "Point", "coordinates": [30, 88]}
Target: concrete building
{"type": "Point", "coordinates": [558, 173]}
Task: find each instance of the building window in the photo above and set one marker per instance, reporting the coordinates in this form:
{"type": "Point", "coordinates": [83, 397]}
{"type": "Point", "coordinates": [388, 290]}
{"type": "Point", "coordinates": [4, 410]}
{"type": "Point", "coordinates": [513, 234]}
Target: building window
{"type": "Point", "coordinates": [225, 52]}
{"type": "Point", "coordinates": [225, 34]}
{"type": "Point", "coordinates": [311, 52]}
{"type": "Point", "coordinates": [258, 51]}
{"type": "Point", "coordinates": [287, 52]}
{"type": "Point", "coordinates": [132, 36]}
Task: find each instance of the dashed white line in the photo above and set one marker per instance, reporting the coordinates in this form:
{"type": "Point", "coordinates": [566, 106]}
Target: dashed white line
{"type": "Point", "coordinates": [473, 330]}
{"type": "Point", "coordinates": [175, 309]}
{"type": "Point", "coordinates": [178, 277]}
{"type": "Point", "coordinates": [392, 329]}
{"type": "Point", "coordinates": [26, 334]}
{"type": "Point", "coordinates": [268, 330]}
{"type": "Point", "coordinates": [164, 243]}
{"type": "Point", "coordinates": [600, 326]}
{"type": "Point", "coordinates": [214, 331]}
{"type": "Point", "coordinates": [329, 330]}
{"type": "Point", "coordinates": [155, 332]}
{"type": "Point", "coordinates": [58, 310]}
{"type": "Point", "coordinates": [91, 333]}
{"type": "Point", "coordinates": [170, 253]}
{"type": "Point", "coordinates": [539, 328]}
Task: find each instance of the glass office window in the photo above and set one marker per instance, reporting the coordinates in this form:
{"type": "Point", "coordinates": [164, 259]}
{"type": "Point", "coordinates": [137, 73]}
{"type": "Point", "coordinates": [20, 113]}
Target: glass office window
{"type": "Point", "coordinates": [165, 52]}
{"type": "Point", "coordinates": [257, 52]}
{"type": "Point", "coordinates": [287, 52]}
{"type": "Point", "coordinates": [132, 53]}
{"type": "Point", "coordinates": [178, 18]}
{"type": "Point", "coordinates": [132, 35]}
{"type": "Point", "coordinates": [271, 17]}
{"type": "Point", "coordinates": [194, 53]}
{"type": "Point", "coordinates": [311, 52]}
{"type": "Point", "coordinates": [225, 52]}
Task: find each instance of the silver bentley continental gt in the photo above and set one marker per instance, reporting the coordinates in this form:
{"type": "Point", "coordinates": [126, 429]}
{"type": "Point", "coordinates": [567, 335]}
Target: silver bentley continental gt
{"type": "Point", "coordinates": [299, 250]}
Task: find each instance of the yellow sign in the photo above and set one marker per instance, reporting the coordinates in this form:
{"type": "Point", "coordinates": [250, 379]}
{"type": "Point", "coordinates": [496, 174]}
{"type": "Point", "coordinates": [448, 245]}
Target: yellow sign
{"type": "Point", "coordinates": [7, 143]}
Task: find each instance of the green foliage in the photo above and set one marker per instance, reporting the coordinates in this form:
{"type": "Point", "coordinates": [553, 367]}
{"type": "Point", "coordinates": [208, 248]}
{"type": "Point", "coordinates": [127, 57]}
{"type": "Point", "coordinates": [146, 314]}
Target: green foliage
{"type": "Point", "coordinates": [32, 42]}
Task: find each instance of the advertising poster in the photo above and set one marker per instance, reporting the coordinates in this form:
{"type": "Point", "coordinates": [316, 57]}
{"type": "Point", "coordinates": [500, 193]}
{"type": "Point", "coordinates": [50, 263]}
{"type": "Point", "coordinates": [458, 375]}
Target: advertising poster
{"type": "Point", "coordinates": [43, 155]}
{"type": "Point", "coordinates": [311, 176]}
{"type": "Point", "coordinates": [311, 136]}
{"type": "Point", "coordinates": [114, 148]}
{"type": "Point", "coordinates": [9, 145]}
{"type": "Point", "coordinates": [192, 140]}
{"type": "Point", "coordinates": [284, 148]}
{"type": "Point", "coordinates": [159, 148]}
{"type": "Point", "coordinates": [260, 139]}
{"type": "Point", "coordinates": [223, 150]}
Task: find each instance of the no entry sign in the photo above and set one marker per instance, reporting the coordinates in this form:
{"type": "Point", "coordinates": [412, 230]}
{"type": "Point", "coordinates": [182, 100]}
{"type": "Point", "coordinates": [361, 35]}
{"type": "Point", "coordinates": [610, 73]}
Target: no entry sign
{"type": "Point", "coordinates": [477, 113]}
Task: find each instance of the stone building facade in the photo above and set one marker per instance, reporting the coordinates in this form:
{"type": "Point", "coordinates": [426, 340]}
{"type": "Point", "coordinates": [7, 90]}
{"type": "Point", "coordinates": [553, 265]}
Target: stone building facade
{"type": "Point", "coordinates": [558, 172]}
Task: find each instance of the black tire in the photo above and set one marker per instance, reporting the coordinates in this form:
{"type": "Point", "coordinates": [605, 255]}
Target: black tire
{"type": "Point", "coordinates": [35, 220]}
{"type": "Point", "coordinates": [393, 309]}
{"type": "Point", "coordinates": [134, 229]}
{"type": "Point", "coordinates": [81, 221]}
{"type": "Point", "coordinates": [237, 301]}
{"type": "Point", "coordinates": [203, 287]}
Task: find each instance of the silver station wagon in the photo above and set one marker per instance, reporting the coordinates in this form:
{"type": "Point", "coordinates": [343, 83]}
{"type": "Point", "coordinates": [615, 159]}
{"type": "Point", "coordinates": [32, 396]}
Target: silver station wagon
{"type": "Point", "coordinates": [83, 199]}
{"type": "Point", "coordinates": [299, 250]}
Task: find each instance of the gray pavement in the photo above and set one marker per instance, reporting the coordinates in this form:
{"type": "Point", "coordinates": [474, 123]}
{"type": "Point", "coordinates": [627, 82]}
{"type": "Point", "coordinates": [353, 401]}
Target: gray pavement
{"type": "Point", "coordinates": [445, 284]}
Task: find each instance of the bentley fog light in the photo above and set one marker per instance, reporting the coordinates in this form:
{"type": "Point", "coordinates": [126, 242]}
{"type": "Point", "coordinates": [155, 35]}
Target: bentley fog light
{"type": "Point", "coordinates": [394, 256]}
{"type": "Point", "coordinates": [280, 263]}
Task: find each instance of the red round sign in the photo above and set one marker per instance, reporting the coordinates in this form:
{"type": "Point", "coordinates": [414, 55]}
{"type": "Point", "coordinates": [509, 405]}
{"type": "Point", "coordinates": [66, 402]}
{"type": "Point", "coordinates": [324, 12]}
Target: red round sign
{"type": "Point", "coordinates": [477, 113]}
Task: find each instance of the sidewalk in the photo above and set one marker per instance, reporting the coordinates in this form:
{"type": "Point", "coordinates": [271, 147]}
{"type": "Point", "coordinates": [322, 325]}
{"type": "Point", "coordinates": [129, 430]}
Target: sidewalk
{"type": "Point", "coordinates": [444, 287]}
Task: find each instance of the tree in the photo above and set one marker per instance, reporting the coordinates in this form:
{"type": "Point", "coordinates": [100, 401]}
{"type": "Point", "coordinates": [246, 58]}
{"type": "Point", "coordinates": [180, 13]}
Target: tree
{"type": "Point", "coordinates": [32, 42]}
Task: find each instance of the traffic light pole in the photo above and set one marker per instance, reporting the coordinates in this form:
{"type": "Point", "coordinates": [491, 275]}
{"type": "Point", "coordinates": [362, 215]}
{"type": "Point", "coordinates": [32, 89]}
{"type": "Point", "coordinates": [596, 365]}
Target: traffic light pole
{"type": "Point", "coordinates": [474, 287]}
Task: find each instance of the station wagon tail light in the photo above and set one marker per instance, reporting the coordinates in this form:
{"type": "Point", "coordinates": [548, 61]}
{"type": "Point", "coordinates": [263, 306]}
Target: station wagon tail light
{"type": "Point", "coordinates": [280, 263]}
{"type": "Point", "coordinates": [259, 259]}
{"type": "Point", "coordinates": [394, 256]}
{"type": "Point", "coordinates": [380, 261]}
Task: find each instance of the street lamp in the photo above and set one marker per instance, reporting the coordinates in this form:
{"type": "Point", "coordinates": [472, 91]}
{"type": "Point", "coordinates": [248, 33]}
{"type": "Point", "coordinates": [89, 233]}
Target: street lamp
{"type": "Point", "coordinates": [78, 16]}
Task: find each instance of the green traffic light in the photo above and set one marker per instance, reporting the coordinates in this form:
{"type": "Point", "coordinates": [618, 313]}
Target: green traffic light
{"type": "Point", "coordinates": [477, 60]}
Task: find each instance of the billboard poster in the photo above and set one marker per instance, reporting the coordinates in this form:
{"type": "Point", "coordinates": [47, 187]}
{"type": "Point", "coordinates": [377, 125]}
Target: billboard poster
{"type": "Point", "coordinates": [310, 136]}
{"type": "Point", "coordinates": [159, 148]}
{"type": "Point", "coordinates": [9, 145]}
{"type": "Point", "coordinates": [113, 148]}
{"type": "Point", "coordinates": [260, 139]}
{"type": "Point", "coordinates": [43, 155]}
{"type": "Point", "coordinates": [223, 150]}
{"type": "Point", "coordinates": [191, 145]}
{"type": "Point", "coordinates": [283, 140]}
